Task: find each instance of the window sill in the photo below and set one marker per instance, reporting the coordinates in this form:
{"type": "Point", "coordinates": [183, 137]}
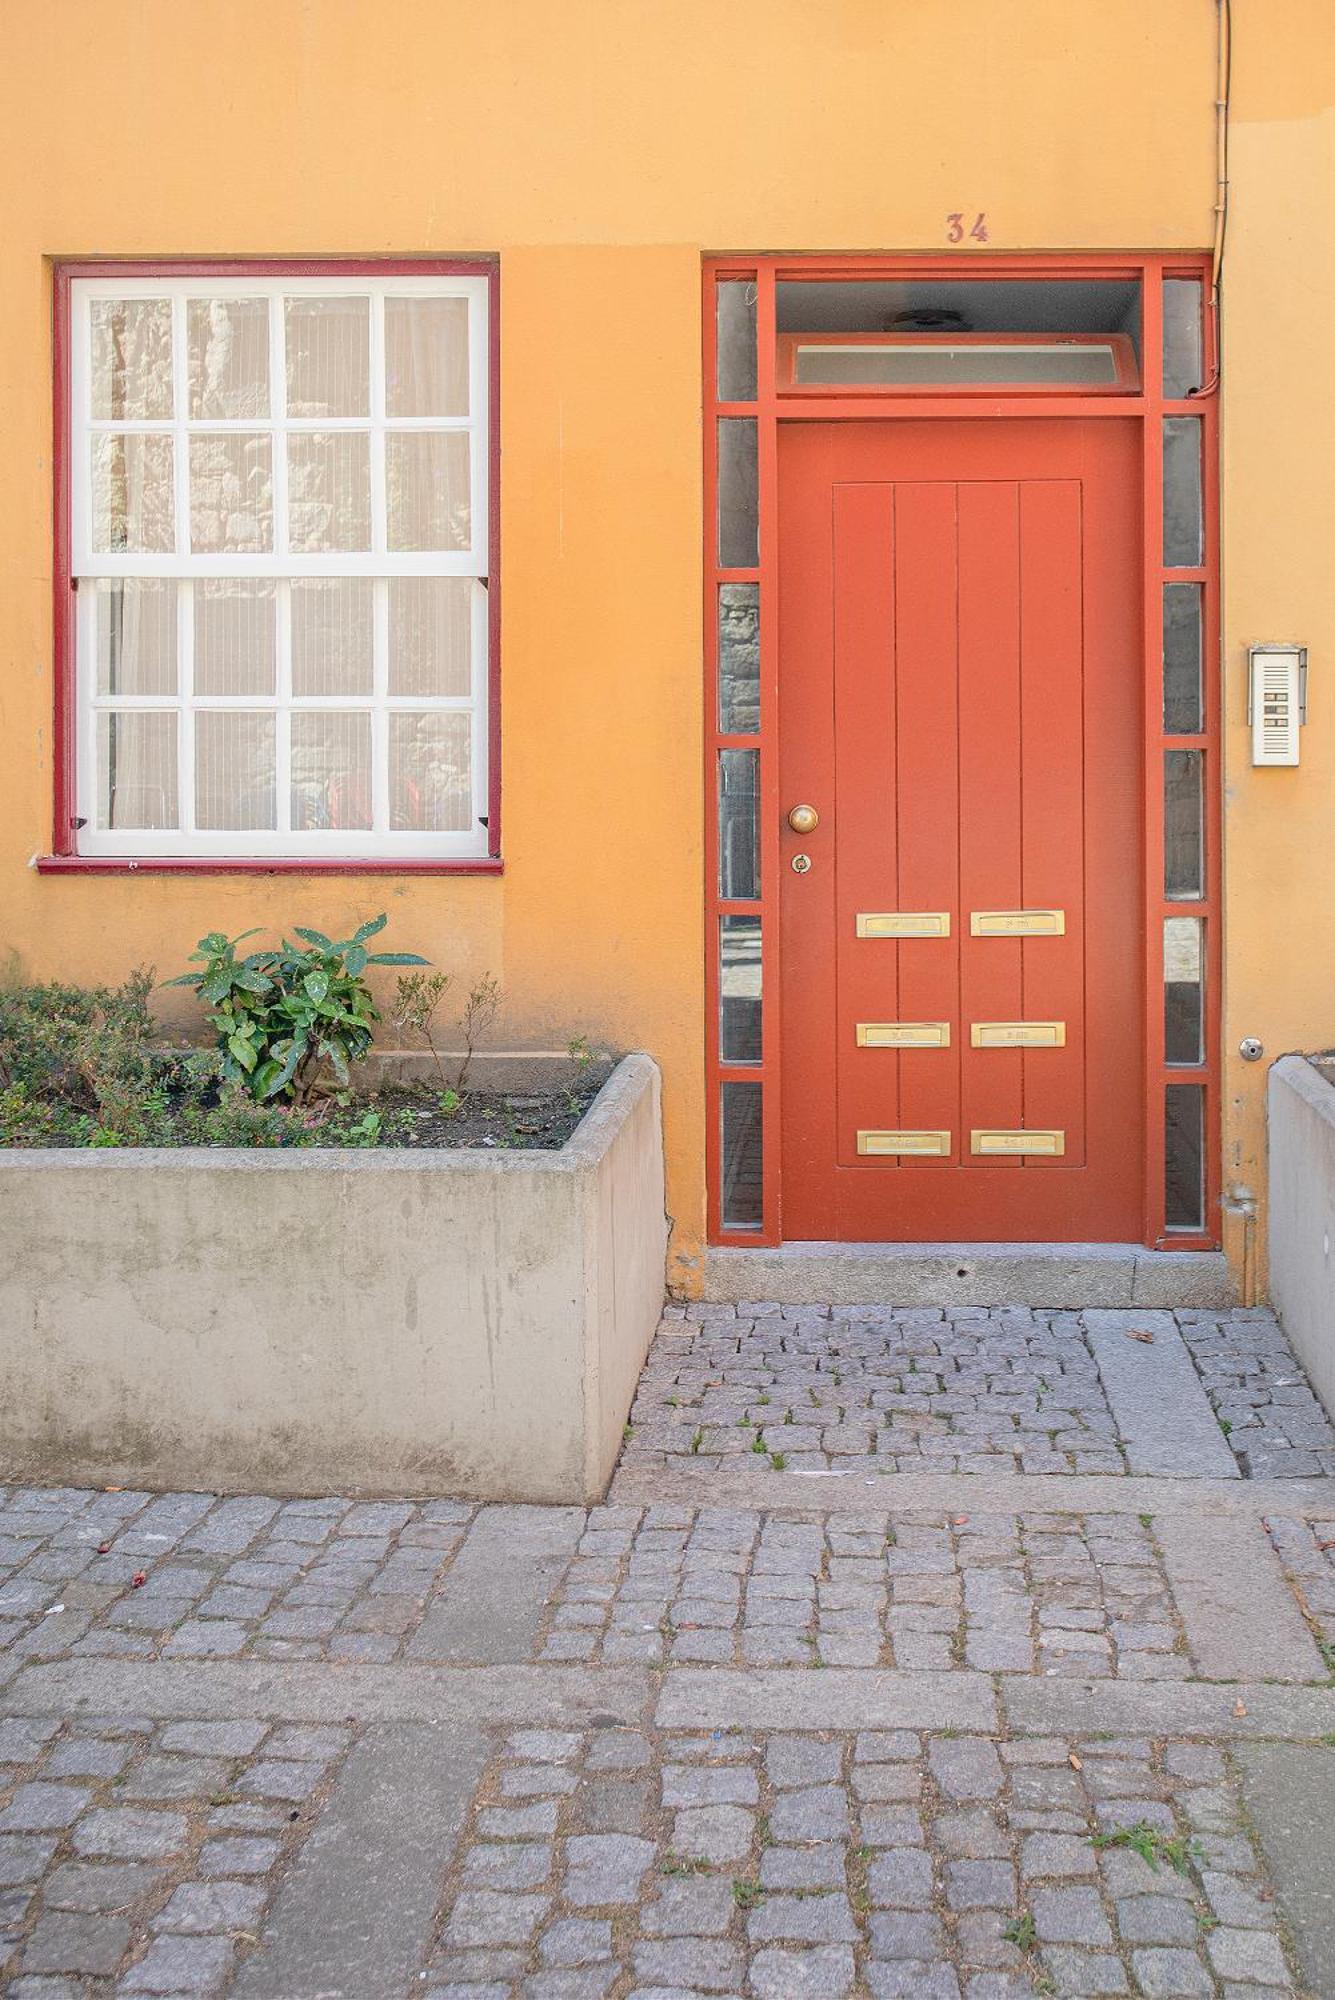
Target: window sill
{"type": "Point", "coordinates": [197, 864]}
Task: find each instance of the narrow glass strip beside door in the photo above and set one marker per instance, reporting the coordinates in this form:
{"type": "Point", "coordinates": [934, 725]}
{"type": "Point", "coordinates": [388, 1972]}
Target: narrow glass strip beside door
{"type": "Point", "coordinates": [1184, 1156]}
{"type": "Point", "coordinates": [741, 1151]}
{"type": "Point", "coordinates": [739, 1027]}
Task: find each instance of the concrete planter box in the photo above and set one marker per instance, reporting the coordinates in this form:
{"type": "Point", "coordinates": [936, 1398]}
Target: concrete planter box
{"type": "Point", "coordinates": [1302, 1214]}
{"type": "Point", "coordinates": [460, 1322]}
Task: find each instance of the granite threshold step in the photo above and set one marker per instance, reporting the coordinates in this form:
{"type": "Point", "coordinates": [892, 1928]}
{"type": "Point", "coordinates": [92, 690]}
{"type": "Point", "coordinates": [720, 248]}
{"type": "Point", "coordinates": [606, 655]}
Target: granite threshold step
{"type": "Point", "coordinates": [1068, 1275]}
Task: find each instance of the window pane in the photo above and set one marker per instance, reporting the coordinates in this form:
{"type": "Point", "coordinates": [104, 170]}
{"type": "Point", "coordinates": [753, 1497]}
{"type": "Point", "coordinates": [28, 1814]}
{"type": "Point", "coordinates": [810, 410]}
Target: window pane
{"type": "Point", "coordinates": [426, 357]}
{"type": "Point", "coordinates": [738, 494]}
{"type": "Point", "coordinates": [739, 658]}
{"type": "Point", "coordinates": [1184, 990]}
{"type": "Point", "coordinates": [1182, 371]}
{"type": "Point", "coordinates": [430, 773]}
{"type": "Point", "coordinates": [133, 496]}
{"type": "Point", "coordinates": [739, 989]}
{"type": "Point", "coordinates": [1184, 825]}
{"type": "Point", "coordinates": [331, 770]}
{"type": "Point", "coordinates": [428, 480]}
{"type": "Point", "coordinates": [736, 331]}
{"type": "Point", "coordinates": [231, 494]}
{"type": "Point", "coordinates": [1183, 525]}
{"type": "Point", "coordinates": [136, 772]}
{"type": "Point", "coordinates": [329, 491]}
{"type": "Point", "coordinates": [131, 360]}
{"type": "Point", "coordinates": [234, 636]}
{"type": "Point", "coordinates": [1184, 1156]}
{"type": "Point", "coordinates": [431, 635]}
{"type": "Point", "coordinates": [331, 635]}
{"type": "Point", "coordinates": [738, 825]}
{"type": "Point", "coordinates": [328, 357]}
{"type": "Point", "coordinates": [742, 1185]}
{"type": "Point", "coordinates": [227, 343]}
{"type": "Point", "coordinates": [136, 635]}
{"type": "Point", "coordinates": [936, 362]}
{"type": "Point", "coordinates": [1182, 687]}
{"type": "Point", "coordinates": [235, 786]}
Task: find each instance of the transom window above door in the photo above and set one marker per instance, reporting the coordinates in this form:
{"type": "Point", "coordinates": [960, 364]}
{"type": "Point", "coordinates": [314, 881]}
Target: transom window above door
{"type": "Point", "coordinates": [281, 549]}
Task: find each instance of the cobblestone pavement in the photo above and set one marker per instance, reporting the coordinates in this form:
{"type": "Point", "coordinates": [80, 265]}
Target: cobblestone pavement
{"type": "Point", "coordinates": [1034, 1593]}
{"type": "Point", "coordinates": [956, 1390]}
{"type": "Point", "coordinates": [882, 1863]}
{"type": "Point", "coordinates": [1010, 1719]}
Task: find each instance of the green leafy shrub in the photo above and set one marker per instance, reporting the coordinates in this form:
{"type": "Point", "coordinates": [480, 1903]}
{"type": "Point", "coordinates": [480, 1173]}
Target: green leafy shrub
{"type": "Point", "coordinates": [79, 1063]}
{"type": "Point", "coordinates": [281, 1013]}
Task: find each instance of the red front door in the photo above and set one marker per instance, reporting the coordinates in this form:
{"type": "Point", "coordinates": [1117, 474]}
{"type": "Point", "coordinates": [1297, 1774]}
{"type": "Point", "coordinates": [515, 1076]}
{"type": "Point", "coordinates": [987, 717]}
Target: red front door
{"type": "Point", "coordinates": [962, 957]}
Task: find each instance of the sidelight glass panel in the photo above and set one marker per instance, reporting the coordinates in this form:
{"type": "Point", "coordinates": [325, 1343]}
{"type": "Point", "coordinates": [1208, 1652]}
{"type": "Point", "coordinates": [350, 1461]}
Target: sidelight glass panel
{"type": "Point", "coordinates": [739, 659]}
{"type": "Point", "coordinates": [1184, 825]}
{"type": "Point", "coordinates": [738, 494]}
{"type": "Point", "coordinates": [741, 1178]}
{"type": "Point", "coordinates": [1183, 705]}
{"type": "Point", "coordinates": [736, 332]}
{"type": "Point", "coordinates": [739, 990]}
{"type": "Point", "coordinates": [1184, 990]}
{"type": "Point", "coordinates": [1182, 370]}
{"type": "Point", "coordinates": [1183, 517]}
{"type": "Point", "coordinates": [738, 825]}
{"type": "Point", "coordinates": [1184, 1156]}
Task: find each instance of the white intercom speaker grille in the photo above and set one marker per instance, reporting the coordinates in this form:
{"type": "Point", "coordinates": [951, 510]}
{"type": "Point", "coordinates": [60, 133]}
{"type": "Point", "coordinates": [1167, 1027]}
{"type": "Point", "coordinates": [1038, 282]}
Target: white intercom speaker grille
{"type": "Point", "coordinates": [1277, 699]}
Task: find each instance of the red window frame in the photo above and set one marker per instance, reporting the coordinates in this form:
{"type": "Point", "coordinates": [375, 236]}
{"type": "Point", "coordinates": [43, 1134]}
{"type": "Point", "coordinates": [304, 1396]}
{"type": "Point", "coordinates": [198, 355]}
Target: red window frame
{"type": "Point", "coordinates": [771, 405]}
{"type": "Point", "coordinates": [65, 858]}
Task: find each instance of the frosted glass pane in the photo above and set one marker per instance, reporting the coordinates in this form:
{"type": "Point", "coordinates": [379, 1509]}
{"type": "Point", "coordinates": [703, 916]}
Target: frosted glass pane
{"type": "Point", "coordinates": [331, 770]}
{"type": "Point", "coordinates": [328, 357]}
{"type": "Point", "coordinates": [739, 658]}
{"type": "Point", "coordinates": [1184, 825]}
{"type": "Point", "coordinates": [131, 359]}
{"type": "Point", "coordinates": [1183, 516]}
{"type": "Point", "coordinates": [738, 494]}
{"type": "Point", "coordinates": [329, 491]}
{"type": "Point", "coordinates": [231, 494]}
{"type": "Point", "coordinates": [133, 494]}
{"type": "Point", "coordinates": [430, 773]}
{"type": "Point", "coordinates": [1182, 690]}
{"type": "Point", "coordinates": [431, 635]}
{"type": "Point", "coordinates": [429, 499]}
{"type": "Point", "coordinates": [1182, 370]}
{"type": "Point", "coordinates": [742, 1156]}
{"type": "Point", "coordinates": [1184, 1156]}
{"type": "Point", "coordinates": [136, 772]}
{"type": "Point", "coordinates": [234, 636]}
{"type": "Point", "coordinates": [235, 790]}
{"type": "Point", "coordinates": [1184, 989]}
{"type": "Point", "coordinates": [736, 335]}
{"type": "Point", "coordinates": [938, 362]}
{"type": "Point", "coordinates": [331, 635]}
{"type": "Point", "coordinates": [227, 344]}
{"type": "Point", "coordinates": [136, 636]}
{"type": "Point", "coordinates": [738, 824]}
{"type": "Point", "coordinates": [426, 357]}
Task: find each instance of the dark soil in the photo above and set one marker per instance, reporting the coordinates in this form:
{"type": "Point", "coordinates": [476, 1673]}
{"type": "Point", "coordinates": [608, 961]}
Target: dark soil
{"type": "Point", "coordinates": [411, 1115]}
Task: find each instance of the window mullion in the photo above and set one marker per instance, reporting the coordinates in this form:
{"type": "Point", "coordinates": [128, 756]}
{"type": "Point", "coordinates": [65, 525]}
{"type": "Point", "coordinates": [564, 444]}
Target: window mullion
{"type": "Point", "coordinates": [283, 718]}
{"type": "Point", "coordinates": [379, 709]}
{"type": "Point", "coordinates": [185, 682]}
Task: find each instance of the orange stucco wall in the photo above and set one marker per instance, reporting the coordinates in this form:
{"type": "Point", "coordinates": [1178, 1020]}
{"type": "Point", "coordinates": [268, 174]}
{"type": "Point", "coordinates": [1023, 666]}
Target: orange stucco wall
{"type": "Point", "coordinates": [600, 148]}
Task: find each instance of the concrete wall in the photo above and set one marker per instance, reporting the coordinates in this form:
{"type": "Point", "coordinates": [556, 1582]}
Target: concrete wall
{"type": "Point", "coordinates": [416, 1322]}
{"type": "Point", "coordinates": [599, 149]}
{"type": "Point", "coordinates": [1302, 1216]}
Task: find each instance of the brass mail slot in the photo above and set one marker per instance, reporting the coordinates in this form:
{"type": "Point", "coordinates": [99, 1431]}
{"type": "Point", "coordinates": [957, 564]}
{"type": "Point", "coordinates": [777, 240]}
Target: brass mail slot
{"type": "Point", "coordinates": [903, 1034]}
{"type": "Point", "coordinates": [1017, 923]}
{"type": "Point", "coordinates": [903, 923]}
{"type": "Point", "coordinates": [1018, 1142]}
{"type": "Point", "coordinates": [1018, 1034]}
{"type": "Point", "coordinates": [903, 1142]}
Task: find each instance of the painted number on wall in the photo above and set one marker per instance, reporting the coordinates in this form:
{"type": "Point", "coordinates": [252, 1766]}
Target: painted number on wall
{"type": "Point", "coordinates": [958, 226]}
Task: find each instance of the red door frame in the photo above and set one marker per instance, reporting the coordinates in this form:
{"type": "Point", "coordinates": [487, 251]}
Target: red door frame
{"type": "Point", "coordinates": [1150, 406]}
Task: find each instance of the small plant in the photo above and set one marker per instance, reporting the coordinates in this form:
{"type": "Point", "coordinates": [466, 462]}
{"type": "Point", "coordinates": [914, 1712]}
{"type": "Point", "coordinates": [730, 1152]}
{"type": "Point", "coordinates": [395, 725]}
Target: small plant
{"type": "Point", "coordinates": [1328, 1740]}
{"type": "Point", "coordinates": [697, 1439]}
{"type": "Point", "coordinates": [758, 1443]}
{"type": "Point", "coordinates": [778, 1461]}
{"type": "Point", "coordinates": [479, 1011]}
{"type": "Point", "coordinates": [416, 1000]}
{"type": "Point", "coordinates": [627, 1433]}
{"type": "Point", "coordinates": [449, 1102]}
{"type": "Point", "coordinates": [1326, 1648]}
{"type": "Point", "coordinates": [687, 1864]}
{"type": "Point", "coordinates": [281, 1014]}
{"type": "Point", "coordinates": [747, 1892]}
{"type": "Point", "coordinates": [788, 1417]}
{"type": "Point", "coordinates": [1225, 1426]}
{"type": "Point", "coordinates": [366, 1132]}
{"type": "Point", "coordinates": [1021, 1931]}
{"type": "Point", "coordinates": [1152, 1845]}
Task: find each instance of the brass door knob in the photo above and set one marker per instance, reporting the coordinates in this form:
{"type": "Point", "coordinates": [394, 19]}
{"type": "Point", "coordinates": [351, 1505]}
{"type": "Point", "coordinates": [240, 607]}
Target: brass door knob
{"type": "Point", "coordinates": [804, 819]}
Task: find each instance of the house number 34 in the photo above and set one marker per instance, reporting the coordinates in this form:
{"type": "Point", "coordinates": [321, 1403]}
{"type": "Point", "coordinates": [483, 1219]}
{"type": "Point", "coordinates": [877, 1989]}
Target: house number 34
{"type": "Point", "coordinates": [958, 226]}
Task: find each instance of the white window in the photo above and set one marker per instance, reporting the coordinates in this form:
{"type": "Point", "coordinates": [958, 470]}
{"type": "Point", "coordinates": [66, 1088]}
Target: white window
{"type": "Point", "coordinates": [279, 544]}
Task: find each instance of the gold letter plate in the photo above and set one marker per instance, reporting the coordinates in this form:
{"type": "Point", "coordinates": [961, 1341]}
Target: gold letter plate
{"type": "Point", "coordinates": [903, 1142]}
{"type": "Point", "coordinates": [1017, 923]}
{"type": "Point", "coordinates": [1018, 1034]}
{"type": "Point", "coordinates": [903, 923]}
{"type": "Point", "coordinates": [1018, 1142]}
{"type": "Point", "coordinates": [903, 1034]}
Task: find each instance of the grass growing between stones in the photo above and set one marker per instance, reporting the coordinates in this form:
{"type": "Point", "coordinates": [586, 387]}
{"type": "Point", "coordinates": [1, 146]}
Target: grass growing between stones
{"type": "Point", "coordinates": [1152, 1845]}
